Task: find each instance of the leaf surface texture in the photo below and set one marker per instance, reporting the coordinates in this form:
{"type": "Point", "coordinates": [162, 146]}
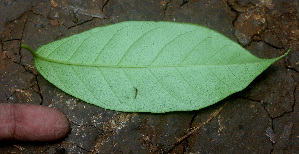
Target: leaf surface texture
{"type": "Point", "coordinates": [142, 66]}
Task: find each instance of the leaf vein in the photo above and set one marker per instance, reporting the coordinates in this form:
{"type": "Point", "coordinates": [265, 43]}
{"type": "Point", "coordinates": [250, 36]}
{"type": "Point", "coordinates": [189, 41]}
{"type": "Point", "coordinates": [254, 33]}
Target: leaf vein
{"type": "Point", "coordinates": [208, 59]}
{"type": "Point", "coordinates": [44, 73]}
{"type": "Point", "coordinates": [192, 50]}
{"type": "Point", "coordinates": [186, 80]}
{"type": "Point", "coordinates": [86, 86]}
{"type": "Point", "coordinates": [160, 51]}
{"type": "Point", "coordinates": [144, 34]}
{"type": "Point", "coordinates": [81, 45]}
{"type": "Point", "coordinates": [128, 77]}
{"type": "Point", "coordinates": [163, 86]}
{"type": "Point", "coordinates": [234, 58]}
{"type": "Point", "coordinates": [107, 44]}
{"type": "Point", "coordinates": [59, 77]}
{"type": "Point", "coordinates": [218, 77]}
{"type": "Point", "coordinates": [58, 47]}
{"type": "Point", "coordinates": [104, 77]}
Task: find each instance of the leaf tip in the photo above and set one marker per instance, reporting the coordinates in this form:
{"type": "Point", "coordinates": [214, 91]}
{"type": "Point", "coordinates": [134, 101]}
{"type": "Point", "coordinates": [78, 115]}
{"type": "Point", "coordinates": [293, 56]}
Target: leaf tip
{"type": "Point", "coordinates": [285, 54]}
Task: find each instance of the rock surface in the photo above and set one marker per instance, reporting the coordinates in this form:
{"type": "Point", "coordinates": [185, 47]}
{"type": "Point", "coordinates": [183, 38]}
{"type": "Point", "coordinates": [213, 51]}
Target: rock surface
{"type": "Point", "coordinates": [263, 118]}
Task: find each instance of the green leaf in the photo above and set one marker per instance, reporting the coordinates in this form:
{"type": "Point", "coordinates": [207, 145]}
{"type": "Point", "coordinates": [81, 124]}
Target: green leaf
{"type": "Point", "coordinates": [141, 66]}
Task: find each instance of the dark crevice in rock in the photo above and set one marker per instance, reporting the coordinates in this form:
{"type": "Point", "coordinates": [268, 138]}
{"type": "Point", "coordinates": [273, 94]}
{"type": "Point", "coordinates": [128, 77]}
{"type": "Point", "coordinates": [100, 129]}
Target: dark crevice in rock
{"type": "Point", "coordinates": [61, 32]}
{"type": "Point", "coordinates": [22, 36]}
{"type": "Point", "coordinates": [265, 104]}
{"type": "Point", "coordinates": [39, 14]}
{"type": "Point", "coordinates": [39, 91]}
{"type": "Point", "coordinates": [50, 18]}
{"type": "Point", "coordinates": [20, 17]}
{"type": "Point", "coordinates": [73, 144]}
{"type": "Point", "coordinates": [192, 119]}
{"type": "Point", "coordinates": [92, 126]}
{"type": "Point", "coordinates": [59, 37]}
{"type": "Point", "coordinates": [171, 149]}
{"type": "Point", "coordinates": [27, 70]}
{"type": "Point", "coordinates": [184, 2]}
{"type": "Point", "coordinates": [46, 149]}
{"type": "Point", "coordinates": [20, 49]}
{"type": "Point", "coordinates": [286, 112]}
{"type": "Point", "coordinates": [293, 69]}
{"type": "Point", "coordinates": [237, 13]}
{"type": "Point", "coordinates": [185, 146]}
{"type": "Point", "coordinates": [256, 38]}
{"type": "Point", "coordinates": [8, 97]}
{"type": "Point", "coordinates": [19, 39]}
{"type": "Point", "coordinates": [275, 47]}
{"type": "Point", "coordinates": [234, 11]}
{"type": "Point", "coordinates": [76, 20]}
{"type": "Point", "coordinates": [272, 123]}
{"type": "Point", "coordinates": [273, 144]}
{"type": "Point", "coordinates": [73, 123]}
{"type": "Point", "coordinates": [82, 125]}
{"type": "Point", "coordinates": [288, 67]}
{"type": "Point", "coordinates": [58, 150]}
{"type": "Point", "coordinates": [105, 4]}
{"type": "Point", "coordinates": [166, 7]}
{"type": "Point", "coordinates": [185, 141]}
{"type": "Point", "coordinates": [294, 95]}
{"type": "Point", "coordinates": [78, 24]}
{"type": "Point", "coordinates": [83, 149]}
{"type": "Point", "coordinates": [11, 40]}
{"type": "Point", "coordinates": [254, 100]}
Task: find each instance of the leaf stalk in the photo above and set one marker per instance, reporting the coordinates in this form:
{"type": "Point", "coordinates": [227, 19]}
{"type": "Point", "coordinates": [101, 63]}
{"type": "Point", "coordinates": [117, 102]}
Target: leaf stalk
{"type": "Point", "coordinates": [25, 46]}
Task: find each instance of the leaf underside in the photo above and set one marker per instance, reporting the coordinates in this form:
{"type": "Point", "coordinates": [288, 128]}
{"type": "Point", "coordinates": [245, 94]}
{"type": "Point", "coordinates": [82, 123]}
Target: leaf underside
{"type": "Point", "coordinates": [142, 66]}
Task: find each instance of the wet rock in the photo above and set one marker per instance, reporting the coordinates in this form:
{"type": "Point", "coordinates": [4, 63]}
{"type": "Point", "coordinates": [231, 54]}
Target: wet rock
{"type": "Point", "coordinates": [11, 50]}
{"type": "Point", "coordinates": [268, 27]}
{"type": "Point", "coordinates": [283, 23]}
{"type": "Point", "coordinates": [240, 5]}
{"type": "Point", "coordinates": [145, 130]}
{"type": "Point", "coordinates": [12, 10]}
{"type": "Point", "coordinates": [14, 29]}
{"type": "Point", "coordinates": [275, 86]}
{"type": "Point", "coordinates": [42, 8]}
{"type": "Point", "coordinates": [118, 11]}
{"type": "Point", "coordinates": [245, 5]}
{"type": "Point", "coordinates": [248, 24]}
{"type": "Point", "coordinates": [17, 88]}
{"type": "Point", "coordinates": [199, 12]}
{"type": "Point", "coordinates": [286, 132]}
{"type": "Point", "coordinates": [234, 130]}
{"type": "Point", "coordinates": [272, 40]}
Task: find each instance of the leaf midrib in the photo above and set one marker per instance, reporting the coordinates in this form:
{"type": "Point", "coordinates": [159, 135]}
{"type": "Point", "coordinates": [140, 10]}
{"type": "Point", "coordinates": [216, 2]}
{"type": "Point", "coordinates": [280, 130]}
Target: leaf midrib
{"type": "Point", "coordinates": [149, 66]}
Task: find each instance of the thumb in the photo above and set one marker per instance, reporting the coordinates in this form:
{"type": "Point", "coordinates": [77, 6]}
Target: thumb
{"type": "Point", "coordinates": [28, 122]}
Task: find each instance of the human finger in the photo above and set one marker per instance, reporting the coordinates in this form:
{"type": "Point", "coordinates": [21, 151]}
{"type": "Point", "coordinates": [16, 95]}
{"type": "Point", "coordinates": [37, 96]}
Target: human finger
{"type": "Point", "coordinates": [29, 122]}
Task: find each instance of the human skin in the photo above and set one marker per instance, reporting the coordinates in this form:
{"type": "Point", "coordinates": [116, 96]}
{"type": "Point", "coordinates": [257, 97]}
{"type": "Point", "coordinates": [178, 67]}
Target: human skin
{"type": "Point", "coordinates": [29, 122]}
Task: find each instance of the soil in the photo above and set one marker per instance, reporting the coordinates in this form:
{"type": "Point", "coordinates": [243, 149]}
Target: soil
{"type": "Point", "coordinates": [263, 118]}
